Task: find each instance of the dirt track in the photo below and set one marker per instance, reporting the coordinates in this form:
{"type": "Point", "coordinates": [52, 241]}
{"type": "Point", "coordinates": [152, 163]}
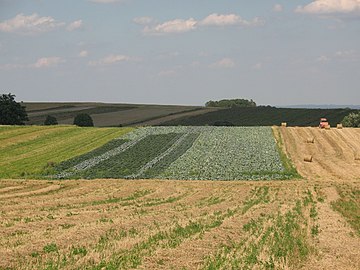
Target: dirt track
{"type": "Point", "coordinates": [333, 152]}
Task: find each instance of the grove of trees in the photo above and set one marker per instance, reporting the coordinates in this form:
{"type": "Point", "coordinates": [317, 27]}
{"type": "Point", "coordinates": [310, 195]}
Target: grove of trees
{"type": "Point", "coordinates": [11, 112]}
{"type": "Point", "coordinates": [231, 103]}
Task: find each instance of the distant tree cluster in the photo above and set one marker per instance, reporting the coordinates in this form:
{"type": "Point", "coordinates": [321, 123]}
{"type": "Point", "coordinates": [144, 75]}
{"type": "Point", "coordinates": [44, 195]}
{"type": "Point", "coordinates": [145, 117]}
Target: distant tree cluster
{"type": "Point", "coordinates": [83, 120]}
{"type": "Point", "coordinates": [352, 120]}
{"type": "Point", "coordinates": [11, 112]}
{"type": "Point", "coordinates": [231, 103]}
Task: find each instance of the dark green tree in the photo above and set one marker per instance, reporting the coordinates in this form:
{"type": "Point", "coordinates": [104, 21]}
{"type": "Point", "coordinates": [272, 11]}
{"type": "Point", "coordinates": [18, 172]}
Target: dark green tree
{"type": "Point", "coordinates": [50, 121]}
{"type": "Point", "coordinates": [352, 120]}
{"type": "Point", "coordinates": [11, 112]}
{"type": "Point", "coordinates": [231, 103]}
{"type": "Point", "coordinates": [83, 120]}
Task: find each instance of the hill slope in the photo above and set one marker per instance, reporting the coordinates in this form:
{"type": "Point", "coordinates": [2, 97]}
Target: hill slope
{"type": "Point", "coordinates": [107, 115]}
{"type": "Point", "coordinates": [264, 116]}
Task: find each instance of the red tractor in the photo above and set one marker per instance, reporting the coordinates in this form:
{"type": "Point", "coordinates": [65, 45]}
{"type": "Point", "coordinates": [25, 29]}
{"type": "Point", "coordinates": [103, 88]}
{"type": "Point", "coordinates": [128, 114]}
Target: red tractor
{"type": "Point", "coordinates": [323, 123]}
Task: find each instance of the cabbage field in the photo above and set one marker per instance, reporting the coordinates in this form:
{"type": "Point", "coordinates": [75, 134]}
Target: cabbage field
{"type": "Point", "coordinates": [189, 153]}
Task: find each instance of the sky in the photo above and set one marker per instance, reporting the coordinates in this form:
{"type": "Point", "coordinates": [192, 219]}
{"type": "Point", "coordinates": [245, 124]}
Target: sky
{"type": "Point", "coordinates": [181, 51]}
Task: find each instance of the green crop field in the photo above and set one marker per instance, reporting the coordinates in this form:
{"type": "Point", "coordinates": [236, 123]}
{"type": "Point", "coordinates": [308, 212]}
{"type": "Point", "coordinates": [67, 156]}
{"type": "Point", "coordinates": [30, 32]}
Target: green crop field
{"type": "Point", "coordinates": [263, 116]}
{"type": "Point", "coordinates": [189, 153]}
{"type": "Point", "coordinates": [27, 151]}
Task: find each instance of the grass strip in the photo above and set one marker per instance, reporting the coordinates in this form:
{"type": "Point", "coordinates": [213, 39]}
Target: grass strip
{"type": "Point", "coordinates": [349, 206]}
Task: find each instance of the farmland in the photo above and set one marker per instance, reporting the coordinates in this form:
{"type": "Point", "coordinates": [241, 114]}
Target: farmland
{"type": "Point", "coordinates": [307, 222]}
{"type": "Point", "coordinates": [264, 116]}
{"type": "Point", "coordinates": [29, 151]}
{"type": "Point", "coordinates": [111, 115]}
{"type": "Point", "coordinates": [152, 224]}
{"type": "Point", "coordinates": [188, 153]}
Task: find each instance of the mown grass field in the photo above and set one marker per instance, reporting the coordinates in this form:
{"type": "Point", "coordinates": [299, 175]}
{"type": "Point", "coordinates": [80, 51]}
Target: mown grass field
{"type": "Point", "coordinates": [26, 151]}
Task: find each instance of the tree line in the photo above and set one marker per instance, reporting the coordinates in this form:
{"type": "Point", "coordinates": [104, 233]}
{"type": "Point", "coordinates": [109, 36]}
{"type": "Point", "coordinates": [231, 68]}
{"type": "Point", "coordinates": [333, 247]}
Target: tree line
{"type": "Point", "coordinates": [231, 103]}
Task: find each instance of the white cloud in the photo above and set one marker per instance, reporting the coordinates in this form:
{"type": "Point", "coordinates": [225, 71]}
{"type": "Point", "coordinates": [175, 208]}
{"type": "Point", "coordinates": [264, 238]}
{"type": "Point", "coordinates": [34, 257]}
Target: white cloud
{"type": "Point", "coordinates": [109, 60]}
{"type": "Point", "coordinates": [330, 7]}
{"type": "Point", "coordinates": [174, 26]}
{"type": "Point", "coordinates": [323, 59]}
{"type": "Point", "coordinates": [228, 20]}
{"type": "Point", "coordinates": [182, 26]}
{"type": "Point", "coordinates": [83, 53]}
{"type": "Point", "coordinates": [31, 24]}
{"type": "Point", "coordinates": [345, 53]}
{"type": "Point", "coordinates": [143, 20]}
{"type": "Point", "coordinates": [348, 56]}
{"type": "Point", "coordinates": [223, 63]}
{"type": "Point", "coordinates": [48, 62]}
{"type": "Point", "coordinates": [278, 8]}
{"type": "Point", "coordinates": [75, 25]}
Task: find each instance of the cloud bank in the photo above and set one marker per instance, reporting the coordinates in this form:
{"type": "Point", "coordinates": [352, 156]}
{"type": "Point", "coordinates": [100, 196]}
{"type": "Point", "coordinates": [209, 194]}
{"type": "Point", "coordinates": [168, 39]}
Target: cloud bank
{"type": "Point", "coordinates": [34, 24]}
{"type": "Point", "coordinates": [330, 7]}
{"type": "Point", "coordinates": [182, 26]}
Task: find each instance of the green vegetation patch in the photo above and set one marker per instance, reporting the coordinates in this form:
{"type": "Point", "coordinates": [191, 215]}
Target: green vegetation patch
{"type": "Point", "coordinates": [349, 206]}
{"type": "Point", "coordinates": [132, 160]}
{"type": "Point", "coordinates": [32, 151]}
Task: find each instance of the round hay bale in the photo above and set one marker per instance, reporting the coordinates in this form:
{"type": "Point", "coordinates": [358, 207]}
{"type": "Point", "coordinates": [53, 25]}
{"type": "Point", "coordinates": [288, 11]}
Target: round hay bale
{"type": "Point", "coordinates": [284, 124]}
{"type": "Point", "coordinates": [308, 158]}
{"type": "Point", "coordinates": [339, 126]}
{"type": "Point", "coordinates": [310, 140]}
{"type": "Point", "coordinates": [328, 127]}
{"type": "Point", "coordinates": [357, 156]}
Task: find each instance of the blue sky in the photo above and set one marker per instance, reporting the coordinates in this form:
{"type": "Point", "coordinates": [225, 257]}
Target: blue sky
{"type": "Point", "coordinates": [181, 52]}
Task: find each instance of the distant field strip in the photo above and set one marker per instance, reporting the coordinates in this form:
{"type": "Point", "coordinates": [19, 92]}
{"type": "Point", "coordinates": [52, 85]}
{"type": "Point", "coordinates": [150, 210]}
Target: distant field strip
{"type": "Point", "coordinates": [198, 153]}
{"type": "Point", "coordinates": [27, 151]}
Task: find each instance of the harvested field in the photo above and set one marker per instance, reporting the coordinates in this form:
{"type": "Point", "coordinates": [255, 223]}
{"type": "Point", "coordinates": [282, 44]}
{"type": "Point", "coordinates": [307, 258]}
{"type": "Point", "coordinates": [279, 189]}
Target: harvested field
{"type": "Point", "coordinates": [118, 224]}
{"type": "Point", "coordinates": [333, 152]}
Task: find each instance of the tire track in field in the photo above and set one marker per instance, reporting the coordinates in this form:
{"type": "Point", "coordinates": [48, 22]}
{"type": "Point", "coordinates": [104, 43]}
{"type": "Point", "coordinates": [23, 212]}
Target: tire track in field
{"type": "Point", "coordinates": [337, 248]}
{"type": "Point", "coordinates": [34, 192]}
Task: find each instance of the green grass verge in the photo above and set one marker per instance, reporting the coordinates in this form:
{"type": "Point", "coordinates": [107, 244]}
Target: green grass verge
{"type": "Point", "coordinates": [290, 169]}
